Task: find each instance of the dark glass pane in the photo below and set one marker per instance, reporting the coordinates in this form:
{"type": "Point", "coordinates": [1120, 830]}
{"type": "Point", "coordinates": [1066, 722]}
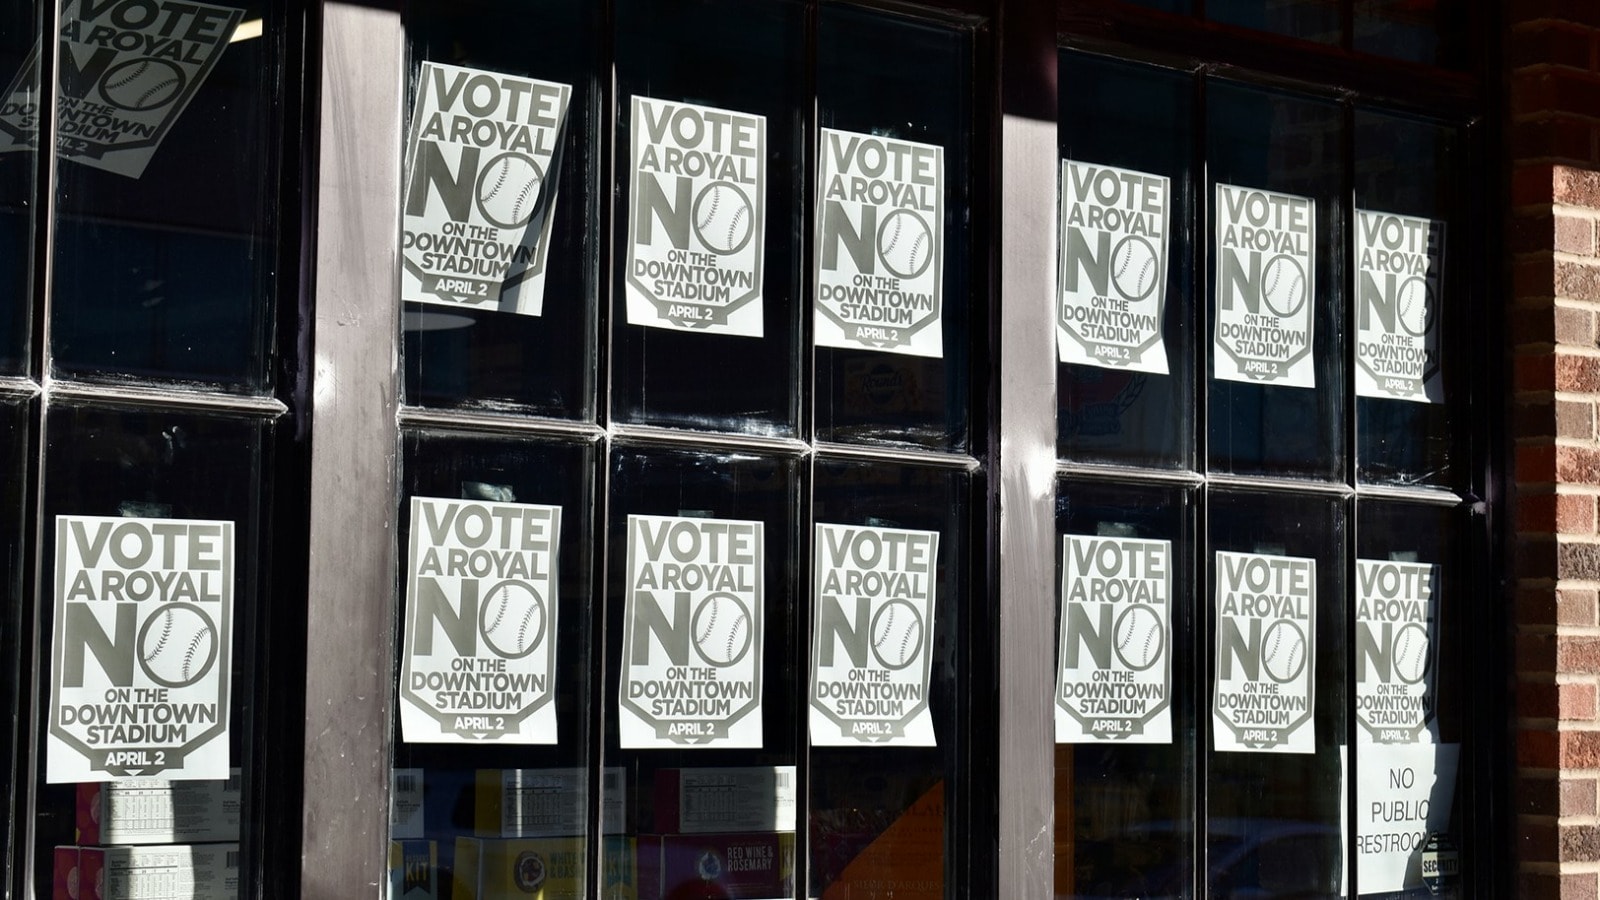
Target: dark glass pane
{"type": "Point", "coordinates": [492, 743]}
{"type": "Point", "coordinates": [1276, 623]}
{"type": "Point", "coordinates": [1129, 397]}
{"type": "Point", "coordinates": [168, 197]}
{"type": "Point", "coordinates": [883, 762]}
{"type": "Point", "coordinates": [1312, 20]}
{"type": "Point", "coordinates": [19, 105]}
{"type": "Point", "coordinates": [723, 56]}
{"type": "Point", "coordinates": [1425, 31]}
{"type": "Point", "coordinates": [1125, 691]}
{"type": "Point", "coordinates": [1177, 6]}
{"type": "Point", "coordinates": [13, 480]}
{"type": "Point", "coordinates": [517, 336]}
{"type": "Point", "coordinates": [1277, 404]}
{"type": "Point", "coordinates": [904, 376]}
{"type": "Point", "coordinates": [1412, 301]}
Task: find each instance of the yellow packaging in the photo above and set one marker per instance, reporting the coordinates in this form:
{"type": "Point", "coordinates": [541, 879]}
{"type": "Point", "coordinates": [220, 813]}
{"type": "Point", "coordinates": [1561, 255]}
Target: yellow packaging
{"type": "Point", "coordinates": [540, 869]}
{"type": "Point", "coordinates": [413, 870]}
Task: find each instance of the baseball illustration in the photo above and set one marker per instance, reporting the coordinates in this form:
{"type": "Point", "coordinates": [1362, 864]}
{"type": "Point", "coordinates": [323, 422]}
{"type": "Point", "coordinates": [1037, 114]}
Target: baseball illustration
{"type": "Point", "coordinates": [512, 619]}
{"type": "Point", "coordinates": [1140, 637]}
{"type": "Point", "coordinates": [1283, 285]}
{"type": "Point", "coordinates": [508, 190]}
{"type": "Point", "coordinates": [1283, 651]}
{"type": "Point", "coordinates": [1410, 653]}
{"type": "Point", "coordinates": [721, 629]}
{"type": "Point", "coordinates": [723, 217]}
{"type": "Point", "coordinates": [1134, 268]}
{"type": "Point", "coordinates": [1413, 303]}
{"type": "Point", "coordinates": [142, 84]}
{"type": "Point", "coordinates": [177, 645]}
{"type": "Point", "coordinates": [905, 243]}
{"type": "Point", "coordinates": [897, 634]}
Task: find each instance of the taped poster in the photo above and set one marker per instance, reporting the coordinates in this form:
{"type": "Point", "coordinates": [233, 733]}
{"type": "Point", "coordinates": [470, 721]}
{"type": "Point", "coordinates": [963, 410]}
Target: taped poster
{"type": "Point", "coordinates": [483, 165]}
{"type": "Point", "coordinates": [1396, 627]}
{"type": "Point", "coordinates": [478, 662]}
{"type": "Point", "coordinates": [1114, 678]}
{"type": "Point", "coordinates": [1404, 795]}
{"type": "Point", "coordinates": [127, 71]}
{"type": "Point", "coordinates": [1266, 614]}
{"type": "Point", "coordinates": [1399, 268]}
{"type": "Point", "coordinates": [873, 626]}
{"type": "Point", "coordinates": [141, 649]}
{"type": "Point", "coordinates": [697, 218]}
{"type": "Point", "coordinates": [692, 633]}
{"type": "Point", "coordinates": [1266, 287]}
{"type": "Point", "coordinates": [1113, 293]}
{"type": "Point", "coordinates": [880, 244]}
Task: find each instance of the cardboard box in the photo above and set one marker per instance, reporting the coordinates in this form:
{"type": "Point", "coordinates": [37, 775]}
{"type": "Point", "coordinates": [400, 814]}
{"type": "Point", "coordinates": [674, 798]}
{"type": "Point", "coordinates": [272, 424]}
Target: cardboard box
{"type": "Point", "coordinates": [747, 866]}
{"type": "Point", "coordinates": [725, 800]}
{"type": "Point", "coordinates": [156, 811]}
{"type": "Point", "coordinates": [406, 805]}
{"type": "Point", "coordinates": [540, 869]}
{"type": "Point", "coordinates": [413, 870]}
{"type": "Point", "coordinates": [533, 803]}
{"type": "Point", "coordinates": [66, 880]}
{"type": "Point", "coordinates": [161, 872]}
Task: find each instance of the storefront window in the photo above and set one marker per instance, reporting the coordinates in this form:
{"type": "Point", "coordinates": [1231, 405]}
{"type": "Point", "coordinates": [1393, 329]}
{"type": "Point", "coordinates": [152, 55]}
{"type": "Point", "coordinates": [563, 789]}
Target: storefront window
{"type": "Point", "coordinates": [19, 27]}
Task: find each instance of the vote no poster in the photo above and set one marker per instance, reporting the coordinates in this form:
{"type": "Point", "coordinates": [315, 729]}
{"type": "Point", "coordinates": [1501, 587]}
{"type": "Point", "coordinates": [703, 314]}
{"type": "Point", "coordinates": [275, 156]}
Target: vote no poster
{"type": "Point", "coordinates": [1399, 268]}
{"type": "Point", "coordinates": [1403, 794]}
{"type": "Point", "coordinates": [1396, 612]}
{"type": "Point", "coordinates": [880, 244]}
{"type": "Point", "coordinates": [127, 70]}
{"type": "Point", "coordinates": [696, 217]}
{"type": "Point", "coordinates": [1266, 609]}
{"type": "Point", "coordinates": [873, 627]}
{"type": "Point", "coordinates": [483, 164]}
{"type": "Point", "coordinates": [1265, 287]}
{"type": "Point", "coordinates": [692, 633]}
{"type": "Point", "coordinates": [478, 661]}
{"type": "Point", "coordinates": [1114, 679]}
{"type": "Point", "coordinates": [142, 636]}
{"type": "Point", "coordinates": [1113, 293]}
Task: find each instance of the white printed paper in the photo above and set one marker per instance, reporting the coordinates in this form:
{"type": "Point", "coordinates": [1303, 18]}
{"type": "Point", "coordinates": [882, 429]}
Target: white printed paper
{"type": "Point", "coordinates": [872, 638]}
{"type": "Point", "coordinates": [1114, 678]}
{"type": "Point", "coordinates": [555, 802]}
{"type": "Point", "coordinates": [1266, 287]}
{"type": "Point", "coordinates": [733, 799]}
{"type": "Point", "coordinates": [483, 165]}
{"type": "Point", "coordinates": [127, 70]}
{"type": "Point", "coordinates": [1399, 269]}
{"type": "Point", "coordinates": [880, 244]}
{"type": "Point", "coordinates": [1403, 793]}
{"type": "Point", "coordinates": [1266, 615]}
{"type": "Point", "coordinates": [692, 633]}
{"type": "Point", "coordinates": [696, 218]}
{"type": "Point", "coordinates": [478, 662]}
{"type": "Point", "coordinates": [1396, 651]}
{"type": "Point", "coordinates": [1112, 298]}
{"type": "Point", "coordinates": [142, 649]}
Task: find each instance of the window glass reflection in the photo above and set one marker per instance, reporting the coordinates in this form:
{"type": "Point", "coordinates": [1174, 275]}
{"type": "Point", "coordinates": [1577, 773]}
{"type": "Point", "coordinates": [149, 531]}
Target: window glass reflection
{"type": "Point", "coordinates": [19, 105]}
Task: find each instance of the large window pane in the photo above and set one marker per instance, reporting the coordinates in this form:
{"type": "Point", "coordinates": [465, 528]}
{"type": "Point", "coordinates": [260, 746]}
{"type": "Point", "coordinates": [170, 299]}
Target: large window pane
{"type": "Point", "coordinates": [19, 106]}
{"type": "Point", "coordinates": [1432, 33]}
{"type": "Point", "coordinates": [1314, 20]}
{"type": "Point", "coordinates": [14, 418]}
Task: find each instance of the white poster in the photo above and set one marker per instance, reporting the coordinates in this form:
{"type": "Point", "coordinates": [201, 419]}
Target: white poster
{"type": "Point", "coordinates": [880, 244]}
{"type": "Point", "coordinates": [692, 633]}
{"type": "Point", "coordinates": [483, 164]}
{"type": "Point", "coordinates": [478, 661]}
{"type": "Point", "coordinates": [1114, 676]}
{"type": "Point", "coordinates": [1403, 794]}
{"type": "Point", "coordinates": [1112, 297]}
{"type": "Point", "coordinates": [1399, 268]}
{"type": "Point", "coordinates": [127, 70]}
{"type": "Point", "coordinates": [141, 649]}
{"type": "Point", "coordinates": [1266, 616]}
{"type": "Point", "coordinates": [1396, 628]}
{"type": "Point", "coordinates": [1266, 287]}
{"type": "Point", "coordinates": [873, 599]}
{"type": "Point", "coordinates": [697, 218]}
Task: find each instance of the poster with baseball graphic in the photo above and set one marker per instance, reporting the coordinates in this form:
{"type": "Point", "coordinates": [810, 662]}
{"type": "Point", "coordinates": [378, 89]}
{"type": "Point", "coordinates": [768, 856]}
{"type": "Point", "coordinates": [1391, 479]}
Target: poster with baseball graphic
{"type": "Point", "coordinates": [1114, 678]}
{"type": "Point", "coordinates": [482, 166]}
{"type": "Point", "coordinates": [127, 70]}
{"type": "Point", "coordinates": [1113, 293]}
{"type": "Point", "coordinates": [696, 218]}
{"type": "Point", "coordinates": [141, 647]}
{"type": "Point", "coordinates": [1266, 287]}
{"type": "Point", "coordinates": [880, 244]}
{"type": "Point", "coordinates": [873, 603]}
{"type": "Point", "coordinates": [1396, 624]}
{"type": "Point", "coordinates": [1399, 269]}
{"type": "Point", "coordinates": [478, 662]}
{"type": "Point", "coordinates": [692, 633]}
{"type": "Point", "coordinates": [1266, 619]}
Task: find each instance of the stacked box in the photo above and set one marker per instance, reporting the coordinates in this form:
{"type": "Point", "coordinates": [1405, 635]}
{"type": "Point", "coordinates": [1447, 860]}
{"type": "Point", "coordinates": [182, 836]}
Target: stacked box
{"type": "Point", "coordinates": [725, 800]}
{"type": "Point", "coordinates": [413, 870]}
{"type": "Point", "coordinates": [539, 869]}
{"type": "Point", "coordinates": [745, 866]}
{"type": "Point", "coordinates": [156, 811]}
{"type": "Point", "coordinates": [174, 872]}
{"type": "Point", "coordinates": [536, 803]}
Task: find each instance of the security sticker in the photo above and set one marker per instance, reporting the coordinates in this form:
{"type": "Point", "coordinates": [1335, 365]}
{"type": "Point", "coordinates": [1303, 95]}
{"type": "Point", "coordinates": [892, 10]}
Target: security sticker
{"type": "Point", "coordinates": [696, 218]}
{"type": "Point", "coordinates": [478, 662]}
{"type": "Point", "coordinates": [1266, 287]}
{"type": "Point", "coordinates": [1266, 617]}
{"type": "Point", "coordinates": [880, 244]}
{"type": "Point", "coordinates": [1112, 297]}
{"type": "Point", "coordinates": [483, 165]}
{"type": "Point", "coordinates": [692, 633]}
{"type": "Point", "coordinates": [1399, 269]}
{"type": "Point", "coordinates": [1396, 627]}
